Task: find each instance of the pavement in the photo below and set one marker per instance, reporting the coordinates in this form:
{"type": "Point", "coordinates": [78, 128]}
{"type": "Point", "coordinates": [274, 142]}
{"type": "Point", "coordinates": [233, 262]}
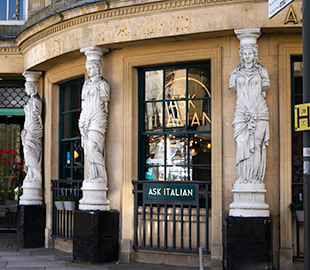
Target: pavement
{"type": "Point", "coordinates": [43, 259]}
{"type": "Point", "coordinates": [14, 258]}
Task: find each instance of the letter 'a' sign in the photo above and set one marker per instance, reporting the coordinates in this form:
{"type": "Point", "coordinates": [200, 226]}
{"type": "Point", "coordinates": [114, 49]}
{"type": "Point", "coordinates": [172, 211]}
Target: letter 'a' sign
{"type": "Point", "coordinates": [171, 192]}
{"type": "Point", "coordinates": [302, 117]}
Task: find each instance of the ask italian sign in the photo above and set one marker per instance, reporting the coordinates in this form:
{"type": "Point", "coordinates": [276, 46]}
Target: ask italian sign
{"type": "Point", "coordinates": [170, 192]}
{"type": "Point", "coordinates": [302, 117]}
{"type": "Point", "coordinates": [275, 6]}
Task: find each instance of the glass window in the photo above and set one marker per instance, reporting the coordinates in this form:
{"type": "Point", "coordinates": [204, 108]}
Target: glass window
{"type": "Point", "coordinates": [71, 151]}
{"type": "Point", "coordinates": [12, 10]}
{"type": "Point", "coordinates": [175, 123]}
{"type": "Point", "coordinates": [12, 94]}
{"type": "Point", "coordinates": [297, 137]}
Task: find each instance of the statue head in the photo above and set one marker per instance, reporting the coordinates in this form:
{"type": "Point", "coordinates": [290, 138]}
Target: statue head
{"type": "Point", "coordinates": [31, 88]}
{"type": "Point", "coordinates": [94, 65]}
{"type": "Point", "coordinates": [245, 52]}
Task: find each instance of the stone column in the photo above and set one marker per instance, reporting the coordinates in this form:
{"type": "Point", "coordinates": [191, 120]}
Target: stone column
{"type": "Point", "coordinates": [93, 123]}
{"type": "Point", "coordinates": [250, 81]}
{"type": "Point", "coordinates": [249, 227]}
{"type": "Point", "coordinates": [32, 142]}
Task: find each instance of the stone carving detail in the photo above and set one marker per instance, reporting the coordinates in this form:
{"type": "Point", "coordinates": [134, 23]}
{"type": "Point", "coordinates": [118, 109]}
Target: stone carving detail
{"type": "Point", "coordinates": [93, 123]}
{"type": "Point", "coordinates": [32, 141]}
{"type": "Point", "coordinates": [110, 14]}
{"type": "Point", "coordinates": [251, 123]}
{"type": "Point", "coordinates": [251, 127]}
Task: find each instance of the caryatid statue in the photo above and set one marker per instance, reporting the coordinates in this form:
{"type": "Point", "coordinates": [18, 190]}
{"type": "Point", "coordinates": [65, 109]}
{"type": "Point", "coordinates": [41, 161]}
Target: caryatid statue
{"type": "Point", "coordinates": [251, 123]}
{"type": "Point", "coordinates": [250, 81]}
{"type": "Point", "coordinates": [32, 141]}
{"type": "Point", "coordinates": [93, 123]}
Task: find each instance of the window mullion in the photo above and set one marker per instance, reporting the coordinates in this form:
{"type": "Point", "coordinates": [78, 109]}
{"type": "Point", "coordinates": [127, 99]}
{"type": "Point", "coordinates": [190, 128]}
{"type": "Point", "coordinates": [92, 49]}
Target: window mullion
{"type": "Point", "coordinates": [7, 9]}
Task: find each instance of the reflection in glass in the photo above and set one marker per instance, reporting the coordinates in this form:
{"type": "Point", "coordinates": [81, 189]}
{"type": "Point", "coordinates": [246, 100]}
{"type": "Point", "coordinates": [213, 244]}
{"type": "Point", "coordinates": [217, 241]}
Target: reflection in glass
{"type": "Point", "coordinates": [176, 148]}
{"type": "Point", "coordinates": [66, 126]}
{"type": "Point", "coordinates": [199, 82]}
{"type": "Point", "coordinates": [175, 83]}
{"type": "Point", "coordinates": [78, 154]}
{"type": "Point", "coordinates": [155, 173]}
{"type": "Point", "coordinates": [67, 154]}
{"type": "Point", "coordinates": [176, 173]}
{"type": "Point", "coordinates": [66, 99]}
{"type": "Point", "coordinates": [75, 97]}
{"type": "Point", "coordinates": [199, 174]}
{"type": "Point", "coordinates": [199, 115]}
{"type": "Point", "coordinates": [155, 151]}
{"type": "Point", "coordinates": [200, 149]}
{"type": "Point", "coordinates": [74, 126]}
{"type": "Point", "coordinates": [153, 85]}
{"type": "Point", "coordinates": [153, 116]}
{"type": "Point", "coordinates": [78, 173]}
{"type": "Point", "coordinates": [175, 113]}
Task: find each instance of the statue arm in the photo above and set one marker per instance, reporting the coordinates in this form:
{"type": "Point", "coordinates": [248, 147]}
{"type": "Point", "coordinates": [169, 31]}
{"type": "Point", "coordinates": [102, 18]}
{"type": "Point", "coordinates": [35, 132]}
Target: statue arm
{"type": "Point", "coordinates": [232, 82]}
{"type": "Point", "coordinates": [265, 79]}
{"type": "Point", "coordinates": [104, 90]}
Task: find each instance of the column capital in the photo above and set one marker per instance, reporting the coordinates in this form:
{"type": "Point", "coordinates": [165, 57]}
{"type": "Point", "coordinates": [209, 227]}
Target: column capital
{"type": "Point", "coordinates": [94, 52]}
{"type": "Point", "coordinates": [248, 36]}
{"type": "Point", "coordinates": [32, 76]}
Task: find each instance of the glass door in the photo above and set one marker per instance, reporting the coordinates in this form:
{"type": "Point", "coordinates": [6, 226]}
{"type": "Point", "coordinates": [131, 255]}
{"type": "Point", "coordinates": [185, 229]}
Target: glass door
{"type": "Point", "coordinates": [12, 169]}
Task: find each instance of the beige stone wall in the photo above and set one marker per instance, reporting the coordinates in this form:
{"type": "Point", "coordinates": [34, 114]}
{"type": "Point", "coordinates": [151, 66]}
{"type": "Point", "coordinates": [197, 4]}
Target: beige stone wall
{"type": "Point", "coordinates": [158, 33]}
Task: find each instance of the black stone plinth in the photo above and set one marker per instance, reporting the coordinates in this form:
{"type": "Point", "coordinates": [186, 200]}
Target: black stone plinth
{"type": "Point", "coordinates": [96, 235]}
{"type": "Point", "coordinates": [30, 226]}
{"type": "Point", "coordinates": [249, 243]}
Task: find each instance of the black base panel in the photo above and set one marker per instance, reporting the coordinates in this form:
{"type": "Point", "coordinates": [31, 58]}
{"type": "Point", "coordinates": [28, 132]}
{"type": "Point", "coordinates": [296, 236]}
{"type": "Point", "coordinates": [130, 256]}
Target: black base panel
{"type": "Point", "coordinates": [31, 226]}
{"type": "Point", "coordinates": [249, 243]}
{"type": "Point", "coordinates": [96, 236]}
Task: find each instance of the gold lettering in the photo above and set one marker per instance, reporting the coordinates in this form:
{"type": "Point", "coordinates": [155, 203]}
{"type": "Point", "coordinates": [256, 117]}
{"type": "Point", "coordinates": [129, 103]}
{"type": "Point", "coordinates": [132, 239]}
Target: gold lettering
{"type": "Point", "coordinates": [291, 16]}
{"type": "Point", "coordinates": [197, 120]}
{"type": "Point", "coordinates": [204, 117]}
{"type": "Point", "coordinates": [190, 101]}
{"type": "Point", "coordinates": [182, 102]}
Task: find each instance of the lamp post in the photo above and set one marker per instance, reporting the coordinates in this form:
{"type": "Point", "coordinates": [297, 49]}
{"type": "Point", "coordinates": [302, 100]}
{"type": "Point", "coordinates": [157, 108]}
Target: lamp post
{"type": "Point", "coordinates": [306, 135]}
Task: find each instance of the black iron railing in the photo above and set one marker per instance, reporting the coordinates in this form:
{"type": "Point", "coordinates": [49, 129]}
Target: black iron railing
{"type": "Point", "coordinates": [63, 219]}
{"type": "Point", "coordinates": [176, 225]}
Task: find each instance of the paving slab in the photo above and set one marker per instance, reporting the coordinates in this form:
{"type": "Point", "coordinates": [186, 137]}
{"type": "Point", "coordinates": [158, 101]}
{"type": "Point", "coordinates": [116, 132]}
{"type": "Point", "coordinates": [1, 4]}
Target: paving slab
{"type": "Point", "coordinates": [29, 268]}
{"type": "Point", "coordinates": [28, 258]}
{"type": "Point", "coordinates": [35, 263]}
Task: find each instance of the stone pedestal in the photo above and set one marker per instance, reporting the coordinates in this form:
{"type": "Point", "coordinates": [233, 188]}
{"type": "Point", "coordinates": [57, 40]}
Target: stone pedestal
{"type": "Point", "coordinates": [94, 196]}
{"type": "Point", "coordinates": [31, 226]}
{"type": "Point", "coordinates": [249, 201]}
{"type": "Point", "coordinates": [96, 235]}
{"type": "Point", "coordinates": [249, 243]}
{"type": "Point", "coordinates": [31, 194]}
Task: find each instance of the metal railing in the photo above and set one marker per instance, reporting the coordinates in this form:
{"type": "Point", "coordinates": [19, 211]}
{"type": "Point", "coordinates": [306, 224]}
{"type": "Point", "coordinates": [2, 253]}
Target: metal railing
{"type": "Point", "coordinates": [63, 219]}
{"type": "Point", "coordinates": [167, 225]}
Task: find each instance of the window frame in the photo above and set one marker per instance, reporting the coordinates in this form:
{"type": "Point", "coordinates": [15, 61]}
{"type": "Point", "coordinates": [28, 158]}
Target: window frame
{"type": "Point", "coordinates": [297, 187]}
{"type": "Point", "coordinates": [23, 14]}
{"type": "Point", "coordinates": [62, 150]}
{"type": "Point", "coordinates": [142, 134]}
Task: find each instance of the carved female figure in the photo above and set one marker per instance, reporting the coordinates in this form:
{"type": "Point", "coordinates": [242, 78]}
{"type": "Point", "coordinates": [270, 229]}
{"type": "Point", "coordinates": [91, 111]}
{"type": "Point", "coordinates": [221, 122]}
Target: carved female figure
{"type": "Point", "coordinates": [251, 122]}
{"type": "Point", "coordinates": [94, 120]}
{"type": "Point", "coordinates": [32, 133]}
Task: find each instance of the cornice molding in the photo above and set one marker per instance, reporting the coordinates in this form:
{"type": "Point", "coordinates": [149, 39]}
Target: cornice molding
{"type": "Point", "coordinates": [10, 51]}
{"type": "Point", "coordinates": [30, 36]}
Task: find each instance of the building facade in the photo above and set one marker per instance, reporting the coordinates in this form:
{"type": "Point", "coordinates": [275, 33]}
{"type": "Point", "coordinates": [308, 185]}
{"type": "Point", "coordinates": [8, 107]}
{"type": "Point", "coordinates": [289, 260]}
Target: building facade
{"type": "Point", "coordinates": [170, 113]}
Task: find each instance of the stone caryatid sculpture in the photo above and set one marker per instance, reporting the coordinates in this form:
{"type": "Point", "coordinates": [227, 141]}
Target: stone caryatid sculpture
{"type": "Point", "coordinates": [250, 81]}
{"type": "Point", "coordinates": [32, 141]}
{"type": "Point", "coordinates": [93, 123]}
